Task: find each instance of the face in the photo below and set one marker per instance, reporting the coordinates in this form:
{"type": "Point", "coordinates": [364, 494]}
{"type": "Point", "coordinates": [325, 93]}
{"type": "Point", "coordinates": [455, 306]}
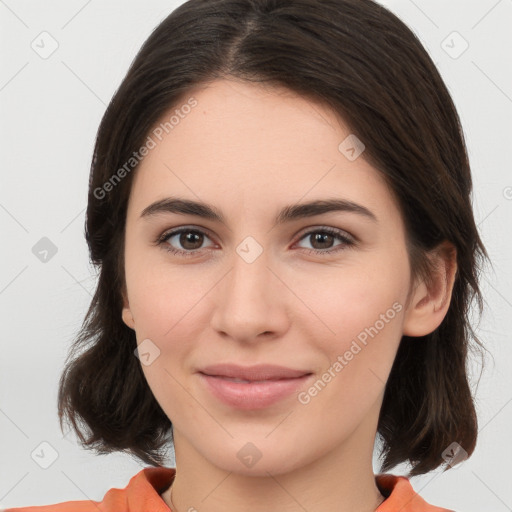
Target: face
{"type": "Point", "coordinates": [323, 293]}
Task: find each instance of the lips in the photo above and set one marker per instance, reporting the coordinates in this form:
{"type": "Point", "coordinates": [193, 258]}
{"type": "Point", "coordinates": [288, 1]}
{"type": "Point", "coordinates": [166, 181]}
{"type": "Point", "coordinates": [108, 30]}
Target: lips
{"type": "Point", "coordinates": [252, 387]}
{"type": "Point", "coordinates": [261, 372]}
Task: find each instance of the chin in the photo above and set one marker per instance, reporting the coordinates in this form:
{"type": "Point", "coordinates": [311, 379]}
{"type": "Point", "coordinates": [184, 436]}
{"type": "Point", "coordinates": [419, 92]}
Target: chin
{"type": "Point", "coordinates": [257, 458]}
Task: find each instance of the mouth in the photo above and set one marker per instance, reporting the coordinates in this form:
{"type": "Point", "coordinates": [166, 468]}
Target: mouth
{"type": "Point", "coordinates": [253, 387]}
{"type": "Point", "coordinates": [261, 372]}
{"type": "Point", "coordinates": [233, 379]}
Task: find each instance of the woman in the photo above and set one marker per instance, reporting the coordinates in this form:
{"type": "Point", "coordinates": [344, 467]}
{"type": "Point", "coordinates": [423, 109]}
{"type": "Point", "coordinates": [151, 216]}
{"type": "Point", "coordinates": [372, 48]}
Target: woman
{"type": "Point", "coordinates": [279, 206]}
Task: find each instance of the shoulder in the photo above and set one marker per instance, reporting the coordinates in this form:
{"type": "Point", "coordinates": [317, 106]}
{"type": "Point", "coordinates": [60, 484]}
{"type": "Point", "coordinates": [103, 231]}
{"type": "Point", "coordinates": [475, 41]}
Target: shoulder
{"type": "Point", "coordinates": [401, 496]}
{"type": "Point", "coordinates": [142, 493]}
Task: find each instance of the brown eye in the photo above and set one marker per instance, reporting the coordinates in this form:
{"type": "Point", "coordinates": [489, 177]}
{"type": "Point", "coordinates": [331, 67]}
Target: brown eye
{"type": "Point", "coordinates": [322, 241]}
{"type": "Point", "coordinates": [190, 241]}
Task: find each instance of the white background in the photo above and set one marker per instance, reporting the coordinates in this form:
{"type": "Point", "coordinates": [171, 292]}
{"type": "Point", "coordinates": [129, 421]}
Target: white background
{"type": "Point", "coordinates": [50, 111]}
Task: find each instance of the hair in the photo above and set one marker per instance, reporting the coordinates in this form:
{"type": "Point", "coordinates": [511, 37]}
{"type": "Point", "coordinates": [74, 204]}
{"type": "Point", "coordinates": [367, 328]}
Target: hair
{"type": "Point", "coordinates": [365, 64]}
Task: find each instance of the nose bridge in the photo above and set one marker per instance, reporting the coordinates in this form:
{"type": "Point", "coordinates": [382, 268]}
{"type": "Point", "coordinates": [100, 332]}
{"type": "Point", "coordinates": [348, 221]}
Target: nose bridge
{"type": "Point", "coordinates": [247, 305]}
{"type": "Point", "coordinates": [249, 277]}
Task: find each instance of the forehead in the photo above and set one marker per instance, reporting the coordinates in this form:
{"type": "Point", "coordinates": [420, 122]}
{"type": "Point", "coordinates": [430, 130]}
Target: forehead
{"type": "Point", "coordinates": [254, 146]}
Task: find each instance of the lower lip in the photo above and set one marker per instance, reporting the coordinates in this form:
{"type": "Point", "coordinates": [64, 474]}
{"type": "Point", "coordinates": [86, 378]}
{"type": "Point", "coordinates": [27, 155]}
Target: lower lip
{"type": "Point", "coordinates": [252, 395]}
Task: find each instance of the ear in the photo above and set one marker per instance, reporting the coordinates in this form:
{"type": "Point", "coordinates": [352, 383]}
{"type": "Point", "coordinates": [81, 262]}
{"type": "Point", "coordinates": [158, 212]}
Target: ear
{"type": "Point", "coordinates": [127, 313]}
{"type": "Point", "coordinates": [430, 301]}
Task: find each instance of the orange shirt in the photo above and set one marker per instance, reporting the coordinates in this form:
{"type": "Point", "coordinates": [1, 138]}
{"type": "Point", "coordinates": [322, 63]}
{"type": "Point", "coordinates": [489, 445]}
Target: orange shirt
{"type": "Point", "coordinates": [142, 494]}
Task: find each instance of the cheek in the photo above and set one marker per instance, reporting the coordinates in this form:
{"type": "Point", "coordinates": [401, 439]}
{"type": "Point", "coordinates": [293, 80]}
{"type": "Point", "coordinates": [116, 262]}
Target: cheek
{"type": "Point", "coordinates": [350, 300]}
{"type": "Point", "coordinates": [361, 311]}
{"type": "Point", "coordinates": [166, 307]}
{"type": "Point", "coordinates": [164, 299]}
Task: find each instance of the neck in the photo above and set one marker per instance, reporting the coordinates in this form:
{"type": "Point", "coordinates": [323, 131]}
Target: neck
{"type": "Point", "coordinates": [340, 481]}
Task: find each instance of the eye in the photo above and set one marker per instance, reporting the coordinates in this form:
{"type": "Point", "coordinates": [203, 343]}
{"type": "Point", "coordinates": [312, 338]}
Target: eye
{"type": "Point", "coordinates": [324, 237]}
{"type": "Point", "coordinates": [190, 239]}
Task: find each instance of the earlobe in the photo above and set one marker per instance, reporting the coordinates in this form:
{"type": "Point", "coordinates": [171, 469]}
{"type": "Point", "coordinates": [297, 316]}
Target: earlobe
{"type": "Point", "coordinates": [128, 317]}
{"type": "Point", "coordinates": [430, 301]}
{"type": "Point", "coordinates": [127, 313]}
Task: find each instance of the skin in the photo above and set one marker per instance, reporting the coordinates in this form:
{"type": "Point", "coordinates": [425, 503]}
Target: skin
{"type": "Point", "coordinates": [249, 150]}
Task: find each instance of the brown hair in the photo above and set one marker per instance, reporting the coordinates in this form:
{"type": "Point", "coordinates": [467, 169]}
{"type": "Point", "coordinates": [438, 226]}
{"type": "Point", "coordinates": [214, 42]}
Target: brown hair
{"type": "Point", "coordinates": [360, 60]}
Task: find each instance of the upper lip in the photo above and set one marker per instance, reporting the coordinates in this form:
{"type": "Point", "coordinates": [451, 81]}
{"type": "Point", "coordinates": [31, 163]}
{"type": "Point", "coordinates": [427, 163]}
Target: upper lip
{"type": "Point", "coordinates": [256, 372]}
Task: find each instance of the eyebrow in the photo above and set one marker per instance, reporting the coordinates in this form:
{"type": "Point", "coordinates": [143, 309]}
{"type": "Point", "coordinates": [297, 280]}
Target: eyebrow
{"type": "Point", "coordinates": [287, 214]}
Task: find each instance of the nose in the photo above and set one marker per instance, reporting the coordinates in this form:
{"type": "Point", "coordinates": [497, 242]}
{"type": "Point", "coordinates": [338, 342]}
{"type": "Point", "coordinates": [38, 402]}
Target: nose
{"type": "Point", "coordinates": [250, 301]}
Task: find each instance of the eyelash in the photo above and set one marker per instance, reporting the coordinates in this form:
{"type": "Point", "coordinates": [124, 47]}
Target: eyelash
{"type": "Point", "coordinates": [347, 242]}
